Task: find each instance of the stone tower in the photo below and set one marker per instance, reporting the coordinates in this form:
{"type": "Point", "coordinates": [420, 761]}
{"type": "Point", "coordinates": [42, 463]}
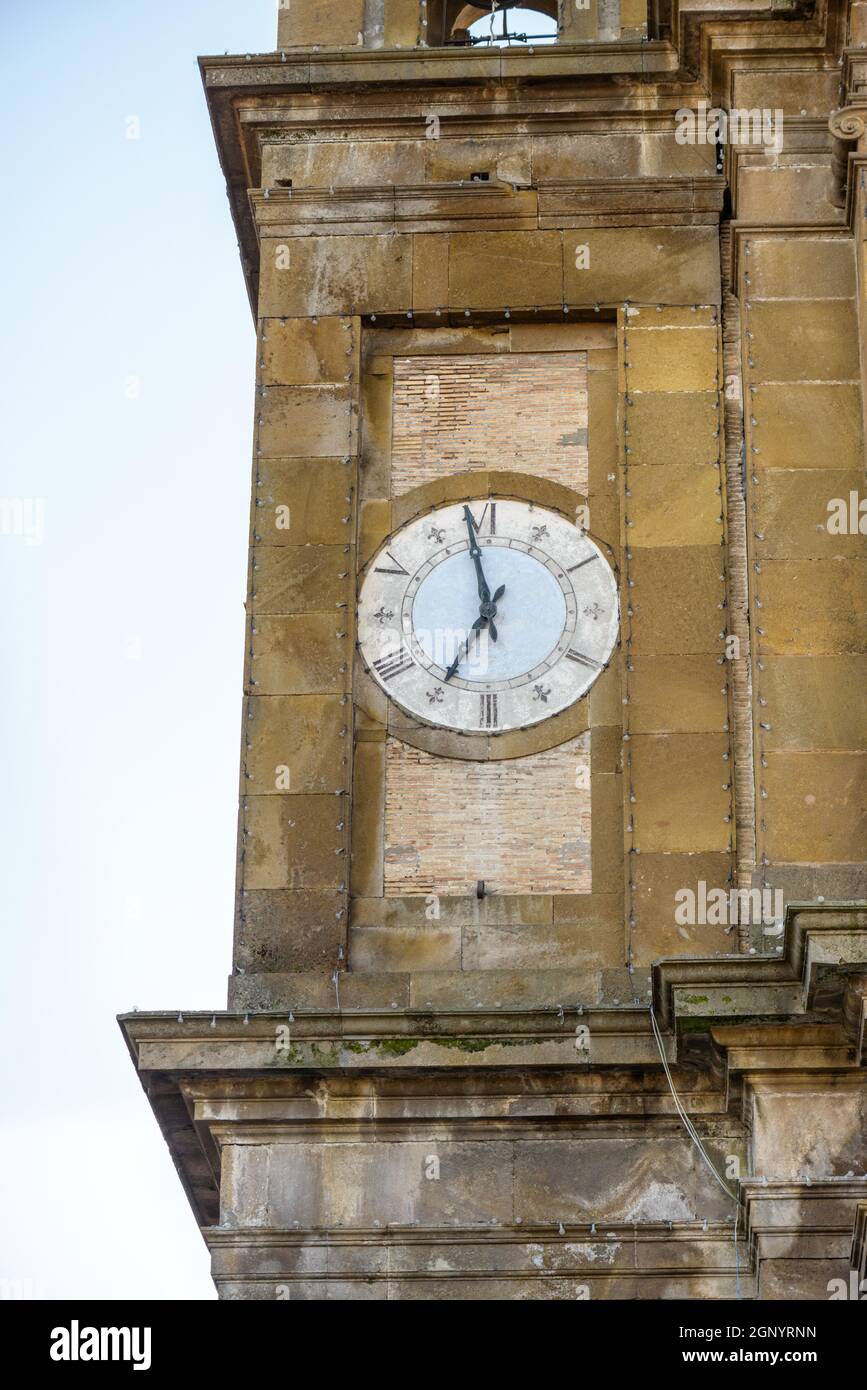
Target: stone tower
{"type": "Point", "coordinates": [599, 300]}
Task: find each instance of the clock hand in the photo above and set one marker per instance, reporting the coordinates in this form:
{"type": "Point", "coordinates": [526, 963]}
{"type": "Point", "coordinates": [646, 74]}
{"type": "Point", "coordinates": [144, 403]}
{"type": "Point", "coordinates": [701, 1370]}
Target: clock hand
{"type": "Point", "coordinates": [476, 556]}
{"type": "Point", "coordinates": [461, 653]}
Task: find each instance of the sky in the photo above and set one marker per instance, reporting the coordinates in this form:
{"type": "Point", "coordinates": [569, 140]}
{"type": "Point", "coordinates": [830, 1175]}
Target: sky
{"type": "Point", "coordinates": [126, 400]}
{"type": "Point", "coordinates": [126, 392]}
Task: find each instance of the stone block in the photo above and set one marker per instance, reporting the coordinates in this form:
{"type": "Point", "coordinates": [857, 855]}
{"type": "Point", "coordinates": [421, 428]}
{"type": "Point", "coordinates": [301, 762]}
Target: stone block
{"type": "Point", "coordinates": [606, 833]}
{"type": "Point", "coordinates": [587, 932]}
{"type": "Point", "coordinates": [401, 24]}
{"type": "Point", "coordinates": [488, 989]}
{"type": "Point", "coordinates": [377, 391]}
{"type": "Point", "coordinates": [677, 694]}
{"type": "Point", "coordinates": [306, 421]}
{"type": "Point", "coordinates": [418, 912]}
{"type": "Point", "coordinates": [430, 272]}
{"type": "Point", "coordinates": [385, 949]}
{"type": "Point", "coordinates": [453, 161]}
{"type": "Point", "coordinates": [676, 506]}
{"type": "Point", "coordinates": [679, 782]}
{"type": "Point", "coordinates": [294, 842]}
{"type": "Point", "coordinates": [780, 268]}
{"type": "Point", "coordinates": [300, 654]}
{"type": "Point", "coordinates": [813, 702]}
{"type": "Point", "coordinates": [676, 600]}
{"type": "Point", "coordinates": [374, 525]}
{"type": "Point", "coordinates": [303, 502]}
{"type": "Point", "coordinates": [301, 578]}
{"type": "Point", "coordinates": [657, 879]}
{"type": "Point", "coordinates": [320, 23]}
{"type": "Point", "coordinates": [816, 806]}
{"type": "Point", "coordinates": [307, 352]}
{"type": "Point", "coordinates": [803, 340]}
{"type": "Point", "coordinates": [671, 359]}
{"type": "Point", "coordinates": [605, 701]}
{"type": "Point", "coordinates": [492, 270]}
{"type": "Point", "coordinates": [813, 606]}
{"type": "Point", "coordinates": [335, 275]}
{"type": "Point", "coordinates": [303, 734]}
{"type": "Point", "coordinates": [674, 430]}
{"type": "Point", "coordinates": [810, 424]}
{"type": "Point", "coordinates": [357, 1184]}
{"type": "Point", "coordinates": [265, 860]}
{"type": "Point", "coordinates": [654, 264]}
{"type": "Point", "coordinates": [285, 931]}
{"type": "Point", "coordinates": [795, 509]}
{"type": "Point", "coordinates": [341, 164]}
{"type": "Point", "coordinates": [784, 195]}
{"type": "Point", "coordinates": [368, 846]}
{"type": "Point", "coordinates": [663, 1181]}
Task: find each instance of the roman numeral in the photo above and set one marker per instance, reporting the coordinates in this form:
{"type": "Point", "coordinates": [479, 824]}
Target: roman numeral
{"type": "Point", "coordinates": [581, 563]}
{"type": "Point", "coordinates": [385, 569]}
{"type": "Point", "coordinates": [477, 525]}
{"type": "Point", "coordinates": [393, 664]}
{"type": "Point", "coordinates": [572, 655]}
{"type": "Point", "coordinates": [488, 712]}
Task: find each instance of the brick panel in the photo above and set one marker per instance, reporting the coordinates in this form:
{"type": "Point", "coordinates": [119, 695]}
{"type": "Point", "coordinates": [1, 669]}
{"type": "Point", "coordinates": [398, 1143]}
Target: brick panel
{"type": "Point", "coordinates": [526, 412]}
{"type": "Point", "coordinates": [522, 825]}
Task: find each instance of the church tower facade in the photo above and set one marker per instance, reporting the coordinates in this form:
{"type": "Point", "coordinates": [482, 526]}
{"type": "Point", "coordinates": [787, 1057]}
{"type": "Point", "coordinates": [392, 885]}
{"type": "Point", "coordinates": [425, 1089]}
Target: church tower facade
{"type": "Point", "coordinates": [550, 958]}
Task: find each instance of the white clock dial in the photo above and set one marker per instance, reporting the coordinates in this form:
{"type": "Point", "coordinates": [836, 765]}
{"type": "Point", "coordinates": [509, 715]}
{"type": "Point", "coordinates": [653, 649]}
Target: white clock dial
{"type": "Point", "coordinates": [487, 615]}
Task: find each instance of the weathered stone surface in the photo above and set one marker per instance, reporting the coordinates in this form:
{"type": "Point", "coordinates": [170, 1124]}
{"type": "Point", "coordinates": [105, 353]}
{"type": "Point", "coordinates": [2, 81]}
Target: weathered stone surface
{"type": "Point", "coordinates": [677, 600]}
{"type": "Point", "coordinates": [675, 506]}
{"type": "Point", "coordinates": [809, 512]}
{"type": "Point", "coordinates": [336, 275]}
{"type": "Point", "coordinates": [301, 578]}
{"type": "Point", "coordinates": [677, 694]}
{"type": "Point", "coordinates": [671, 359]}
{"type": "Point", "coordinates": [813, 606]}
{"type": "Point", "coordinates": [674, 429]}
{"type": "Point", "coordinates": [288, 931]}
{"type": "Point", "coordinates": [304, 23]}
{"type": "Point", "coordinates": [780, 269]}
{"type": "Point", "coordinates": [816, 806]}
{"type": "Point", "coordinates": [668, 925]}
{"type": "Point", "coordinates": [804, 340]}
{"type": "Point", "coordinates": [808, 424]}
{"type": "Point", "coordinates": [493, 269]}
{"type": "Point", "coordinates": [305, 421]}
{"type": "Point", "coordinates": [294, 744]}
{"type": "Point", "coordinates": [642, 263]}
{"type": "Point", "coordinates": [301, 654]}
{"type": "Point", "coordinates": [302, 502]}
{"type": "Point", "coordinates": [307, 352]}
{"type": "Point", "coordinates": [680, 800]}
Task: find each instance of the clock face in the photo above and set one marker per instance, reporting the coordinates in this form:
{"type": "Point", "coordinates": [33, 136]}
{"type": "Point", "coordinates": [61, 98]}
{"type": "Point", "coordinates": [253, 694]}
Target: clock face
{"type": "Point", "coordinates": [486, 616]}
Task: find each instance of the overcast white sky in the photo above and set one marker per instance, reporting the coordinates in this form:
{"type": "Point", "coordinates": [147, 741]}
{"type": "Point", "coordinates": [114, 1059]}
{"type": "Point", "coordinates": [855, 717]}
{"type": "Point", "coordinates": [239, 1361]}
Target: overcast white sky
{"type": "Point", "coordinates": [126, 405]}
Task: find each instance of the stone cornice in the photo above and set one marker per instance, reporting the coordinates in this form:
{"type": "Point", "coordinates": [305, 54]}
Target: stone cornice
{"type": "Point", "coordinates": [486, 206]}
{"type": "Point", "coordinates": [821, 940]}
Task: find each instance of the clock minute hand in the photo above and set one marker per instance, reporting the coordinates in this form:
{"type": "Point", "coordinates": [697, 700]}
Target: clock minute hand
{"type": "Point", "coordinates": [476, 556]}
{"type": "Point", "coordinates": [463, 650]}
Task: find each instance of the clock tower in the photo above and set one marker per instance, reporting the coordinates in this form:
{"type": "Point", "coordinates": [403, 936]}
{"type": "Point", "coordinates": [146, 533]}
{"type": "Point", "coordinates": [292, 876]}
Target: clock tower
{"type": "Point", "coordinates": [549, 976]}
